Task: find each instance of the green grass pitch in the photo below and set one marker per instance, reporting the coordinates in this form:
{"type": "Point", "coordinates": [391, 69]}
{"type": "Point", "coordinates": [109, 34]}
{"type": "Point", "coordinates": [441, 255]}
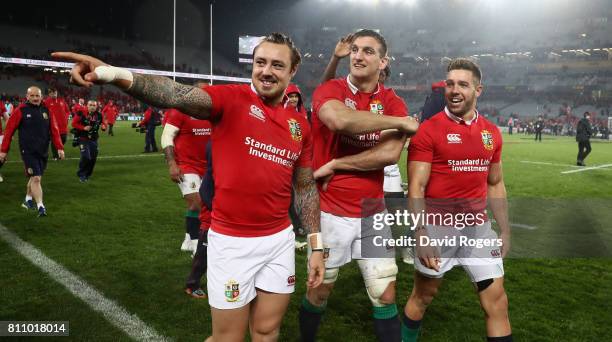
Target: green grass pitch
{"type": "Point", "coordinates": [121, 233]}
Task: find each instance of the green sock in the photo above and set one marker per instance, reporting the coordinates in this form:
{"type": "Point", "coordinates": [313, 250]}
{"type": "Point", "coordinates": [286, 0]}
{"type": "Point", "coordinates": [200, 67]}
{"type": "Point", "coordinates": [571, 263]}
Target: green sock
{"type": "Point", "coordinates": [311, 307]}
{"type": "Point", "coordinates": [410, 329]}
{"type": "Point", "coordinates": [385, 312]}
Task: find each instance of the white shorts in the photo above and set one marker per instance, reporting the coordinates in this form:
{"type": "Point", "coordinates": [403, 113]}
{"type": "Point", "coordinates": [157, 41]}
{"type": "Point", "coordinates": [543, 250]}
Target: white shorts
{"type": "Point", "coordinates": [480, 263]}
{"type": "Point", "coordinates": [190, 184]}
{"type": "Point", "coordinates": [343, 241]}
{"type": "Point", "coordinates": [239, 265]}
{"type": "Point", "coordinates": [393, 179]}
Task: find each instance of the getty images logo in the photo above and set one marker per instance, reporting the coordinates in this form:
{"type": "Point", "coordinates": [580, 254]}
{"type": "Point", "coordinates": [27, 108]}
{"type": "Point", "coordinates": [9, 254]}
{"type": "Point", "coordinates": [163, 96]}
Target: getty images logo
{"type": "Point", "coordinates": [453, 138]}
{"type": "Point", "coordinates": [257, 113]}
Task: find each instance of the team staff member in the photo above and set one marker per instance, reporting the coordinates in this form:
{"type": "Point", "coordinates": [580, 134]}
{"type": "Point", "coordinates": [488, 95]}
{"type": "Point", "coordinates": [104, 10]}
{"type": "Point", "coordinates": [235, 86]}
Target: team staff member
{"type": "Point", "coordinates": [87, 127]}
{"type": "Point", "coordinates": [583, 136]}
{"type": "Point", "coordinates": [251, 242]}
{"type": "Point", "coordinates": [450, 137]}
{"type": "Point", "coordinates": [59, 110]}
{"type": "Point", "coordinates": [36, 129]}
{"type": "Point", "coordinates": [110, 113]}
{"type": "Point", "coordinates": [184, 142]}
{"type": "Point", "coordinates": [150, 121]}
{"type": "Point", "coordinates": [352, 177]}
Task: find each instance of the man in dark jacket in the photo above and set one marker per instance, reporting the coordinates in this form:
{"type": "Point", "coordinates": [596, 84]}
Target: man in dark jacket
{"type": "Point", "coordinates": [86, 133]}
{"type": "Point", "coordinates": [37, 127]}
{"type": "Point", "coordinates": [583, 136]}
{"type": "Point", "coordinates": [539, 126]}
{"type": "Point", "coordinates": [435, 102]}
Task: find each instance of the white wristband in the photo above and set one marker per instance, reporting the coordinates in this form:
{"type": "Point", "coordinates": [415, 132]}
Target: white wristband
{"type": "Point", "coordinates": [315, 241]}
{"type": "Point", "coordinates": [108, 73]}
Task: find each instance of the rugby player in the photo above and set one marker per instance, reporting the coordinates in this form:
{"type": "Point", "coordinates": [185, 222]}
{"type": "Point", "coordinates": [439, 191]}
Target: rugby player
{"type": "Point", "coordinates": [183, 141]}
{"type": "Point", "coordinates": [392, 184]}
{"type": "Point", "coordinates": [454, 135]}
{"type": "Point", "coordinates": [351, 166]}
{"type": "Point", "coordinates": [261, 149]}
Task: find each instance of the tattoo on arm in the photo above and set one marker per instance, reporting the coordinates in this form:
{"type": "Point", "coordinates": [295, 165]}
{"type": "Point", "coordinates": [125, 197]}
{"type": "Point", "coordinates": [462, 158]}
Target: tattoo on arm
{"type": "Point", "coordinates": [163, 92]}
{"type": "Point", "coordinates": [169, 154]}
{"type": "Point", "coordinates": [307, 199]}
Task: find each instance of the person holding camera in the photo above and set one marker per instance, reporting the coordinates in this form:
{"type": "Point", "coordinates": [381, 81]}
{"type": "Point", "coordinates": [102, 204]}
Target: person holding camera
{"type": "Point", "coordinates": [86, 135]}
{"type": "Point", "coordinates": [149, 122]}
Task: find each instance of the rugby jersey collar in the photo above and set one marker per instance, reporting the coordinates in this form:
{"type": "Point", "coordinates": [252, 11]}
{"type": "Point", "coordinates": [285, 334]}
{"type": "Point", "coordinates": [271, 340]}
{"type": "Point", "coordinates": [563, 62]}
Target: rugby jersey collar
{"type": "Point", "coordinates": [458, 119]}
{"type": "Point", "coordinates": [354, 89]}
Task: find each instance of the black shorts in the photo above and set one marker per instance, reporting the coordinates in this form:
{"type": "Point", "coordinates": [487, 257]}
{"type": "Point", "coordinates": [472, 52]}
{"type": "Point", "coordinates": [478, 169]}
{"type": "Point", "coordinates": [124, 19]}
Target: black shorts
{"type": "Point", "coordinates": [35, 165]}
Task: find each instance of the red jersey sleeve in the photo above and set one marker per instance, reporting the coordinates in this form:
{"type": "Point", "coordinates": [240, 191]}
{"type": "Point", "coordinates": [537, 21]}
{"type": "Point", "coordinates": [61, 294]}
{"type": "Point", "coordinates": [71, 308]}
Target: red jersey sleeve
{"type": "Point", "coordinates": [498, 146]}
{"type": "Point", "coordinates": [174, 117]}
{"type": "Point", "coordinates": [325, 92]}
{"type": "Point", "coordinates": [220, 95]}
{"type": "Point", "coordinates": [11, 126]}
{"type": "Point", "coordinates": [421, 146]}
{"type": "Point", "coordinates": [305, 159]}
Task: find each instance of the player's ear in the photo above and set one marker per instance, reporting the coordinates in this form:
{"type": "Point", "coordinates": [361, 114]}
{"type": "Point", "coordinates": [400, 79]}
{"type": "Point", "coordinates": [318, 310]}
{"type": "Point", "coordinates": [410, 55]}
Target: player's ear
{"type": "Point", "coordinates": [478, 89]}
{"type": "Point", "coordinates": [383, 63]}
{"type": "Point", "coordinates": [294, 70]}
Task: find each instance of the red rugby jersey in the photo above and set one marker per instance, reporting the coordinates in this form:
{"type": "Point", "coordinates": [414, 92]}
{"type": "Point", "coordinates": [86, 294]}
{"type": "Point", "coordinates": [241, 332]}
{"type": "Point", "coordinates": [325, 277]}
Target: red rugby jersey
{"type": "Point", "coordinates": [460, 154]}
{"type": "Point", "coordinates": [190, 142]}
{"type": "Point", "coordinates": [347, 191]}
{"type": "Point", "coordinates": [255, 149]}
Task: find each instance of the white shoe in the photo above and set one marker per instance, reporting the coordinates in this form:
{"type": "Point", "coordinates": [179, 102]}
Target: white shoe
{"type": "Point", "coordinates": [408, 255]}
{"type": "Point", "coordinates": [1, 179]}
{"type": "Point", "coordinates": [186, 245]}
{"type": "Point", "coordinates": [193, 245]}
{"type": "Point", "coordinates": [300, 245]}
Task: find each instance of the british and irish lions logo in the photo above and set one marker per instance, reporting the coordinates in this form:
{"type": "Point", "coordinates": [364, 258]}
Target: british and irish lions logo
{"type": "Point", "coordinates": [295, 129]}
{"type": "Point", "coordinates": [232, 291]}
{"type": "Point", "coordinates": [487, 139]}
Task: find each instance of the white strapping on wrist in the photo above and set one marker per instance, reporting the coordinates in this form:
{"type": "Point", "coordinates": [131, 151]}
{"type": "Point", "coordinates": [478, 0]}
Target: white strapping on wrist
{"type": "Point", "coordinates": [109, 73]}
{"type": "Point", "coordinates": [315, 241]}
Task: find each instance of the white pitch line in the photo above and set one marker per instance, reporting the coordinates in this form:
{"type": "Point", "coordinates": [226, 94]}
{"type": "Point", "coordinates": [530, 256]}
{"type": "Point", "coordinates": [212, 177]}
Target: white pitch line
{"type": "Point", "coordinates": [546, 163]}
{"type": "Point", "coordinates": [107, 157]}
{"type": "Point", "coordinates": [525, 226]}
{"type": "Point", "coordinates": [113, 312]}
{"type": "Point", "coordinates": [587, 168]}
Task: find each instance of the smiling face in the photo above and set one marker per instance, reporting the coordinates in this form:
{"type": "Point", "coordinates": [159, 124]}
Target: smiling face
{"type": "Point", "coordinates": [366, 59]}
{"type": "Point", "coordinates": [462, 90]}
{"type": "Point", "coordinates": [272, 70]}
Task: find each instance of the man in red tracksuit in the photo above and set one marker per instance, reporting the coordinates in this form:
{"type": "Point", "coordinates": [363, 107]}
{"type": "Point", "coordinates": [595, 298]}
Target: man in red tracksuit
{"type": "Point", "coordinates": [59, 110]}
{"type": "Point", "coordinates": [110, 113]}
